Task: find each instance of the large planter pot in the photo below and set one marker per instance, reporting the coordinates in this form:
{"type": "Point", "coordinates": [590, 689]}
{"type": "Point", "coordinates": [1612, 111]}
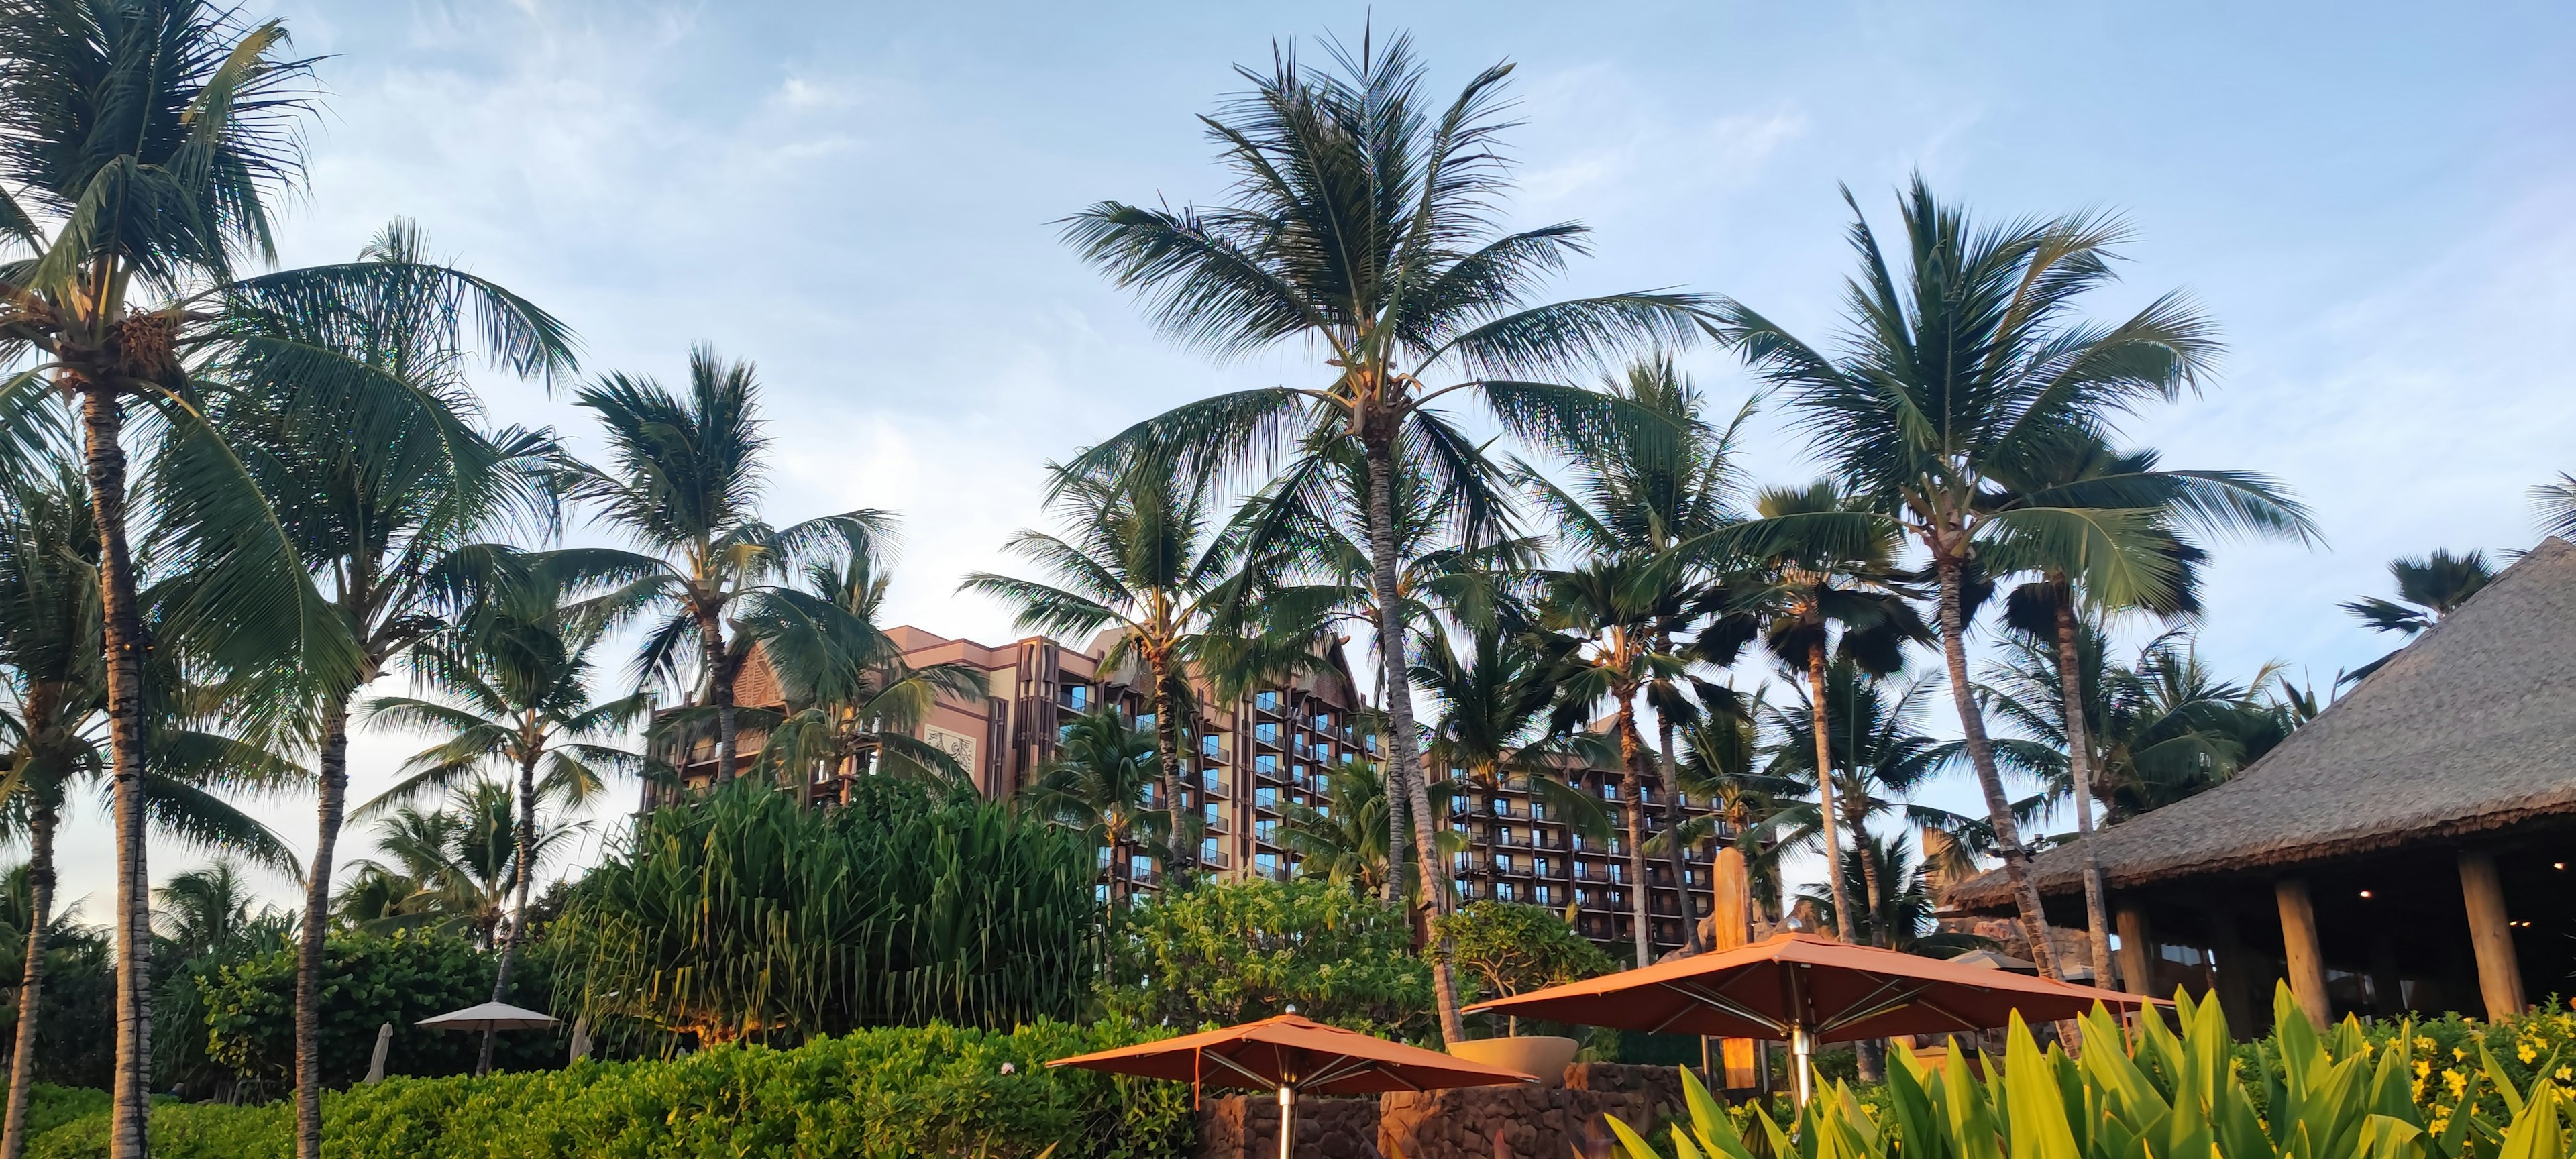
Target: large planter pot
{"type": "Point", "coordinates": [1543, 1055]}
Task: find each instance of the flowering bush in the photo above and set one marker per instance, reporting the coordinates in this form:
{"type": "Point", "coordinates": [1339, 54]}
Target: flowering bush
{"type": "Point", "coordinates": [2450, 1053]}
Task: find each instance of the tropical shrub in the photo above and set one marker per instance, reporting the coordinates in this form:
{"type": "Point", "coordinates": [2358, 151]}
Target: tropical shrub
{"type": "Point", "coordinates": [743, 914]}
{"type": "Point", "coordinates": [76, 1019]}
{"type": "Point", "coordinates": [938, 1090]}
{"type": "Point", "coordinates": [2152, 1092]}
{"type": "Point", "coordinates": [1503, 948]}
{"type": "Point", "coordinates": [368, 980]}
{"type": "Point", "coordinates": [2453, 1054]}
{"type": "Point", "coordinates": [50, 1106]}
{"type": "Point", "coordinates": [1226, 952]}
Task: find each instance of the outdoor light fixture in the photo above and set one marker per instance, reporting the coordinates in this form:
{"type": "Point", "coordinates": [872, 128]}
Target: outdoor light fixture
{"type": "Point", "coordinates": [2365, 893]}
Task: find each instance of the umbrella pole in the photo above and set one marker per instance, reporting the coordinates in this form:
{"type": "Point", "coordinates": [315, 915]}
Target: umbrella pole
{"type": "Point", "coordinates": [1287, 1122]}
{"type": "Point", "coordinates": [1802, 1063]}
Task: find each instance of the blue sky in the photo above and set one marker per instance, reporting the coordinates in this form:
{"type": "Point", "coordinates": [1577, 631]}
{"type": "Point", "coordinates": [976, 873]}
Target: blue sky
{"type": "Point", "coordinates": [2370, 198]}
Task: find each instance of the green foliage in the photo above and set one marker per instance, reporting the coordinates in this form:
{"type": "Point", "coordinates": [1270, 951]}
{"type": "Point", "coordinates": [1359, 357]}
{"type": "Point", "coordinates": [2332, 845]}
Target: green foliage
{"type": "Point", "coordinates": [743, 913]}
{"type": "Point", "coordinates": [1508, 949]}
{"type": "Point", "coordinates": [367, 980]}
{"type": "Point", "coordinates": [2303, 1096]}
{"type": "Point", "coordinates": [937, 1090]}
{"type": "Point", "coordinates": [2452, 1054]}
{"type": "Point", "coordinates": [181, 1131]}
{"type": "Point", "coordinates": [76, 1022]}
{"type": "Point", "coordinates": [1226, 952]}
{"type": "Point", "coordinates": [50, 1106]}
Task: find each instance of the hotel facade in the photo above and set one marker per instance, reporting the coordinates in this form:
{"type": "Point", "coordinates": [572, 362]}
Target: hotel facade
{"type": "Point", "coordinates": [1250, 758]}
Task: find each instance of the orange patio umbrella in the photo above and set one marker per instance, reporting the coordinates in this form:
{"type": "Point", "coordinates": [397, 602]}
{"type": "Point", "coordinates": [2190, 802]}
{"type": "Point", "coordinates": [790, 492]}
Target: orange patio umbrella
{"type": "Point", "coordinates": [1293, 1054]}
{"type": "Point", "coordinates": [1805, 989]}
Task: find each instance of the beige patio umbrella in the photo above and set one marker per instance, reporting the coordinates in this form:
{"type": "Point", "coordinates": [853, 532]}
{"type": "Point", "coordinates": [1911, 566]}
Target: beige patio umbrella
{"type": "Point", "coordinates": [488, 1016]}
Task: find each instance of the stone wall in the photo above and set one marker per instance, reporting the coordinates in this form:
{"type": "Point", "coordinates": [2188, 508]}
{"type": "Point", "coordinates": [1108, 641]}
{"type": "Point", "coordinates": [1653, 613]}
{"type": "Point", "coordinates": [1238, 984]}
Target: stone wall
{"type": "Point", "coordinates": [1247, 1127]}
{"type": "Point", "coordinates": [1532, 1122]}
{"type": "Point", "coordinates": [1527, 1122]}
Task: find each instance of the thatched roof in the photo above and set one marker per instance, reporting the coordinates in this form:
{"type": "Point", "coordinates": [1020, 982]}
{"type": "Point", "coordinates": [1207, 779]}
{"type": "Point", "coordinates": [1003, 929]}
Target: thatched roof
{"type": "Point", "coordinates": [2471, 729]}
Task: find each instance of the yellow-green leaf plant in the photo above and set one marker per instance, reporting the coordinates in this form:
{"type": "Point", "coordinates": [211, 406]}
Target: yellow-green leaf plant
{"type": "Point", "coordinates": [2151, 1091]}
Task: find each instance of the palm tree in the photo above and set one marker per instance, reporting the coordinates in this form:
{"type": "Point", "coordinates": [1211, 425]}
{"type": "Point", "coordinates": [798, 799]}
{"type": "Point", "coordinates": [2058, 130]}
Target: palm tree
{"type": "Point", "coordinates": [513, 694]}
{"type": "Point", "coordinates": [1879, 755]}
{"type": "Point", "coordinates": [1098, 781]}
{"type": "Point", "coordinates": [686, 488]}
{"type": "Point", "coordinates": [2429, 588]}
{"type": "Point", "coordinates": [2163, 727]}
{"type": "Point", "coordinates": [459, 862]}
{"type": "Point", "coordinates": [2089, 472]}
{"type": "Point", "coordinates": [1969, 365]}
{"type": "Point", "coordinates": [853, 703]}
{"type": "Point", "coordinates": [204, 910]}
{"type": "Point", "coordinates": [1143, 556]}
{"type": "Point", "coordinates": [1906, 913]}
{"type": "Point", "coordinates": [2555, 505]}
{"type": "Point", "coordinates": [1646, 501]}
{"type": "Point", "coordinates": [1494, 704]}
{"type": "Point", "coordinates": [1344, 840]}
{"type": "Point", "coordinates": [381, 524]}
{"type": "Point", "coordinates": [1362, 221]}
{"type": "Point", "coordinates": [54, 727]}
{"type": "Point", "coordinates": [148, 138]}
{"type": "Point", "coordinates": [1603, 649]}
{"type": "Point", "coordinates": [1819, 596]}
{"type": "Point", "coordinates": [1719, 761]}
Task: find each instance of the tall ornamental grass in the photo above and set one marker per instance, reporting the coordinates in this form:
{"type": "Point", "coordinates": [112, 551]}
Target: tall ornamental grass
{"type": "Point", "coordinates": [746, 916]}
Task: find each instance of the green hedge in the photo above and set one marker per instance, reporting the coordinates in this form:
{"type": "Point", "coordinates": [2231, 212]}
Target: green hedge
{"type": "Point", "coordinates": [890, 1092]}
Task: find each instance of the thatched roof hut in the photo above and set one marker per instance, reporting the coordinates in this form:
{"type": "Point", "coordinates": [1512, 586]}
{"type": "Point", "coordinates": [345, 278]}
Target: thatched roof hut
{"type": "Point", "coordinates": [2464, 744]}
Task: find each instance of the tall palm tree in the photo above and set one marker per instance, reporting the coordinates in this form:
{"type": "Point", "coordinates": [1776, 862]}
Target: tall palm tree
{"type": "Point", "coordinates": [1459, 559]}
{"type": "Point", "coordinates": [1141, 555]}
{"type": "Point", "coordinates": [205, 909]}
{"type": "Point", "coordinates": [512, 684]}
{"type": "Point", "coordinates": [1820, 595]}
{"type": "Point", "coordinates": [147, 138]}
{"type": "Point", "coordinates": [1720, 762]}
{"type": "Point", "coordinates": [1878, 755]}
{"type": "Point", "coordinates": [853, 703]}
{"type": "Point", "coordinates": [1363, 220]}
{"type": "Point", "coordinates": [2429, 588]}
{"type": "Point", "coordinates": [379, 523]}
{"type": "Point", "coordinates": [1344, 840]}
{"type": "Point", "coordinates": [1494, 704]}
{"type": "Point", "coordinates": [686, 486]}
{"type": "Point", "coordinates": [458, 863]}
{"type": "Point", "coordinates": [2089, 472]}
{"type": "Point", "coordinates": [1967, 364]}
{"type": "Point", "coordinates": [1647, 501]}
{"type": "Point", "coordinates": [1099, 781]}
{"type": "Point", "coordinates": [54, 728]}
{"type": "Point", "coordinates": [1603, 650]}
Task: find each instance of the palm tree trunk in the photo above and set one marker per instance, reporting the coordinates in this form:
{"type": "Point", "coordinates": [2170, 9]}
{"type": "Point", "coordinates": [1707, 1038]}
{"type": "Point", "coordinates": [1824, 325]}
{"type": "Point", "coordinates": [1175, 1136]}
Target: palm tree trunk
{"type": "Point", "coordinates": [103, 424]}
{"type": "Point", "coordinates": [334, 764]}
{"type": "Point", "coordinates": [31, 983]}
{"type": "Point", "coordinates": [522, 871]}
{"type": "Point", "coordinates": [1632, 794]}
{"type": "Point", "coordinates": [1820, 723]}
{"type": "Point", "coordinates": [1680, 855]}
{"type": "Point", "coordinates": [1875, 905]}
{"type": "Point", "coordinates": [1981, 756]}
{"type": "Point", "coordinates": [719, 692]}
{"type": "Point", "coordinates": [2079, 766]}
{"type": "Point", "coordinates": [1167, 747]}
{"type": "Point", "coordinates": [1406, 760]}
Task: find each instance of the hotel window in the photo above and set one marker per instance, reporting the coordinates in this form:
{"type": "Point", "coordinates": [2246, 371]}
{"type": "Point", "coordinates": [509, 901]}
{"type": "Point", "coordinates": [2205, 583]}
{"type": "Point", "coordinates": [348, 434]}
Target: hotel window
{"type": "Point", "coordinates": [1207, 851]}
{"type": "Point", "coordinates": [1266, 863]}
{"type": "Point", "coordinates": [1265, 797]}
{"type": "Point", "coordinates": [1144, 722]}
{"type": "Point", "coordinates": [1323, 722]}
{"type": "Point", "coordinates": [1211, 814]}
{"type": "Point", "coordinates": [1211, 745]}
{"type": "Point", "coordinates": [1266, 701]}
{"type": "Point", "coordinates": [1505, 891]}
{"type": "Point", "coordinates": [1547, 868]}
{"type": "Point", "coordinates": [1267, 732]}
{"type": "Point", "coordinates": [1077, 697]}
{"type": "Point", "coordinates": [1371, 742]}
{"type": "Point", "coordinates": [1266, 831]}
{"type": "Point", "coordinates": [1266, 764]}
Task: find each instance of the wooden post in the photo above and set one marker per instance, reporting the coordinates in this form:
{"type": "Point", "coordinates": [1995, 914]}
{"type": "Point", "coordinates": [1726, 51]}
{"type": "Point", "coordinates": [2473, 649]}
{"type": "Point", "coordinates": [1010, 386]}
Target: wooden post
{"type": "Point", "coordinates": [2304, 963]}
{"type": "Point", "coordinates": [1730, 926]}
{"type": "Point", "coordinates": [2388, 990]}
{"type": "Point", "coordinates": [2491, 934]}
{"type": "Point", "coordinates": [2137, 953]}
{"type": "Point", "coordinates": [2234, 968]}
